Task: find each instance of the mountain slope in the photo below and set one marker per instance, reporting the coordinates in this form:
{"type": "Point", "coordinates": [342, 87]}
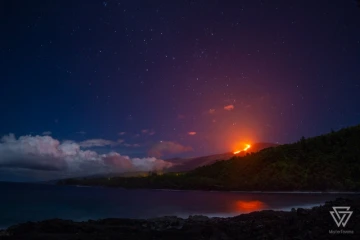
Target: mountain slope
{"type": "Point", "coordinates": [324, 163]}
{"type": "Point", "coordinates": [181, 165]}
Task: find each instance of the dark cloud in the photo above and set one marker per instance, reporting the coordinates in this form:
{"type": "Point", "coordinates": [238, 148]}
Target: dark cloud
{"type": "Point", "coordinates": [33, 162]}
{"type": "Point", "coordinates": [167, 147]}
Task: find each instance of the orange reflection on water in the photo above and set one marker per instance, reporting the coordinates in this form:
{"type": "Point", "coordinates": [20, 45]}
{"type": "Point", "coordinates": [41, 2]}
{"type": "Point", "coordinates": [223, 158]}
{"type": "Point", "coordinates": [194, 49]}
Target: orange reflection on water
{"type": "Point", "coordinates": [249, 206]}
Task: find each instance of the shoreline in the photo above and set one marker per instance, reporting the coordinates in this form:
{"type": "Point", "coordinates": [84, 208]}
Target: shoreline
{"type": "Point", "coordinates": [193, 190]}
{"type": "Point", "coordinates": [234, 191]}
{"type": "Point", "coordinates": [300, 223]}
{"type": "Point", "coordinates": [184, 215]}
{"type": "Point", "coordinates": [208, 190]}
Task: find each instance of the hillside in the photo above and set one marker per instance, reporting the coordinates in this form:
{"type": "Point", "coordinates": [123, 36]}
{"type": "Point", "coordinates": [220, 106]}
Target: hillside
{"type": "Point", "coordinates": [181, 165]}
{"type": "Point", "coordinates": [324, 163]}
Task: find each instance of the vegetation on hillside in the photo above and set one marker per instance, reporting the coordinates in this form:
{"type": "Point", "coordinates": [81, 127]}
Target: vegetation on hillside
{"type": "Point", "coordinates": [328, 162]}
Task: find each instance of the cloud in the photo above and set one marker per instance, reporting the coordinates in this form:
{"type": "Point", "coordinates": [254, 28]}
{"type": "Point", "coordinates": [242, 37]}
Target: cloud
{"type": "Point", "coordinates": [229, 107]}
{"type": "Point", "coordinates": [140, 164]}
{"type": "Point", "coordinates": [81, 132]}
{"type": "Point", "coordinates": [192, 133]}
{"type": "Point", "coordinates": [122, 133]}
{"type": "Point", "coordinates": [46, 133]}
{"type": "Point", "coordinates": [39, 152]}
{"type": "Point", "coordinates": [37, 156]}
{"type": "Point", "coordinates": [144, 131]}
{"type": "Point", "coordinates": [211, 111]}
{"type": "Point", "coordinates": [167, 147]}
{"type": "Point", "coordinates": [97, 143]}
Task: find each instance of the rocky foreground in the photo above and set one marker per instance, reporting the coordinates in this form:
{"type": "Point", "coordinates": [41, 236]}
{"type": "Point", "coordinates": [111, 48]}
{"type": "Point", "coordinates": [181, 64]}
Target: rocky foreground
{"type": "Point", "coordinates": [315, 223]}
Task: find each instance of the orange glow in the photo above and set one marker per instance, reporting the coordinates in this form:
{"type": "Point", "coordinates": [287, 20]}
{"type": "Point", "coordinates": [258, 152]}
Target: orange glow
{"type": "Point", "coordinates": [244, 150]}
{"type": "Point", "coordinates": [249, 206]}
{"type": "Point", "coordinates": [229, 107]}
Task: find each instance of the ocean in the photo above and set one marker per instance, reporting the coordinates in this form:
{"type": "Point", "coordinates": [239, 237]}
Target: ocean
{"type": "Point", "coordinates": [22, 202]}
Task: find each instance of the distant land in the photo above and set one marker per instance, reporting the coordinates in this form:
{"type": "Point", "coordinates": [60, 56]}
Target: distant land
{"type": "Point", "coordinates": [330, 162]}
{"type": "Point", "coordinates": [182, 164]}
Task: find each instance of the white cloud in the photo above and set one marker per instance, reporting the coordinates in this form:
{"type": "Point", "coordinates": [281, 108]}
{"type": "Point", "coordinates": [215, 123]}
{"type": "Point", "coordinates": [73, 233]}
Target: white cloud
{"type": "Point", "coordinates": [47, 133]}
{"type": "Point", "coordinates": [39, 152]}
{"type": "Point", "coordinates": [40, 155]}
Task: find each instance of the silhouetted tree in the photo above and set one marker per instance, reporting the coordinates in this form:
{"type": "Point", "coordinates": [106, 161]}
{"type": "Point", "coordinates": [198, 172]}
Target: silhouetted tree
{"type": "Point", "coordinates": [327, 162]}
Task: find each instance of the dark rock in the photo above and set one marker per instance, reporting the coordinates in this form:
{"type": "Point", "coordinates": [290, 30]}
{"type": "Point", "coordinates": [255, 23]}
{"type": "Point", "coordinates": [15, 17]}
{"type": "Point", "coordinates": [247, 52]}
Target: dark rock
{"type": "Point", "coordinates": [312, 223]}
{"type": "Point", "coordinates": [165, 223]}
{"type": "Point", "coordinates": [198, 218]}
{"type": "Point", "coordinates": [4, 233]}
{"type": "Point", "coordinates": [301, 212]}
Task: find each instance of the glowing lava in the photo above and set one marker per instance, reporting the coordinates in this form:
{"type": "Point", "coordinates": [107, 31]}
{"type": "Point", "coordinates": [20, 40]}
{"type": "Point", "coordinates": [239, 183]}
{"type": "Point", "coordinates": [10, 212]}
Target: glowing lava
{"type": "Point", "coordinates": [244, 150]}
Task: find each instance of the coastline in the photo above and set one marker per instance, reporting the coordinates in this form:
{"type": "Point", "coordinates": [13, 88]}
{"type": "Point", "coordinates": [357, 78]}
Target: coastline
{"type": "Point", "coordinates": [192, 190]}
{"type": "Point", "coordinates": [275, 192]}
{"type": "Point", "coordinates": [300, 223]}
{"type": "Point", "coordinates": [217, 190]}
{"type": "Point", "coordinates": [180, 211]}
{"type": "Point", "coordinates": [185, 215]}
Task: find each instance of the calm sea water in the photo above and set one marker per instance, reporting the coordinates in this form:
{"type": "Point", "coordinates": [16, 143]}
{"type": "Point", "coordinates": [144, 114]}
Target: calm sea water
{"type": "Point", "coordinates": [21, 202]}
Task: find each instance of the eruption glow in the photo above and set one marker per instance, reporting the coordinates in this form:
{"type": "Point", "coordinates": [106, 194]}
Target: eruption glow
{"type": "Point", "coordinates": [249, 206]}
{"type": "Point", "coordinates": [244, 150]}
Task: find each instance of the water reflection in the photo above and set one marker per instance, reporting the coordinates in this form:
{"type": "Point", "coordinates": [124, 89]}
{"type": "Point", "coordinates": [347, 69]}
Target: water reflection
{"type": "Point", "coordinates": [45, 201]}
{"type": "Point", "coordinates": [242, 206]}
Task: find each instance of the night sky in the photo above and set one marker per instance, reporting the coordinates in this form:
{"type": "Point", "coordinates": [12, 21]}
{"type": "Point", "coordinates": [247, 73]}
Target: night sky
{"type": "Point", "coordinates": [99, 80]}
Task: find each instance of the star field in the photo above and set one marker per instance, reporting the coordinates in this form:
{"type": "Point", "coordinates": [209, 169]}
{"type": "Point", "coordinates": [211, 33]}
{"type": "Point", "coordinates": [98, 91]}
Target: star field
{"type": "Point", "coordinates": [197, 75]}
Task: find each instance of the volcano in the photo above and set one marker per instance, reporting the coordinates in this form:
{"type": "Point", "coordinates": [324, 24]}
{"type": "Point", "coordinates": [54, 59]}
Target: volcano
{"type": "Point", "coordinates": [187, 164]}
